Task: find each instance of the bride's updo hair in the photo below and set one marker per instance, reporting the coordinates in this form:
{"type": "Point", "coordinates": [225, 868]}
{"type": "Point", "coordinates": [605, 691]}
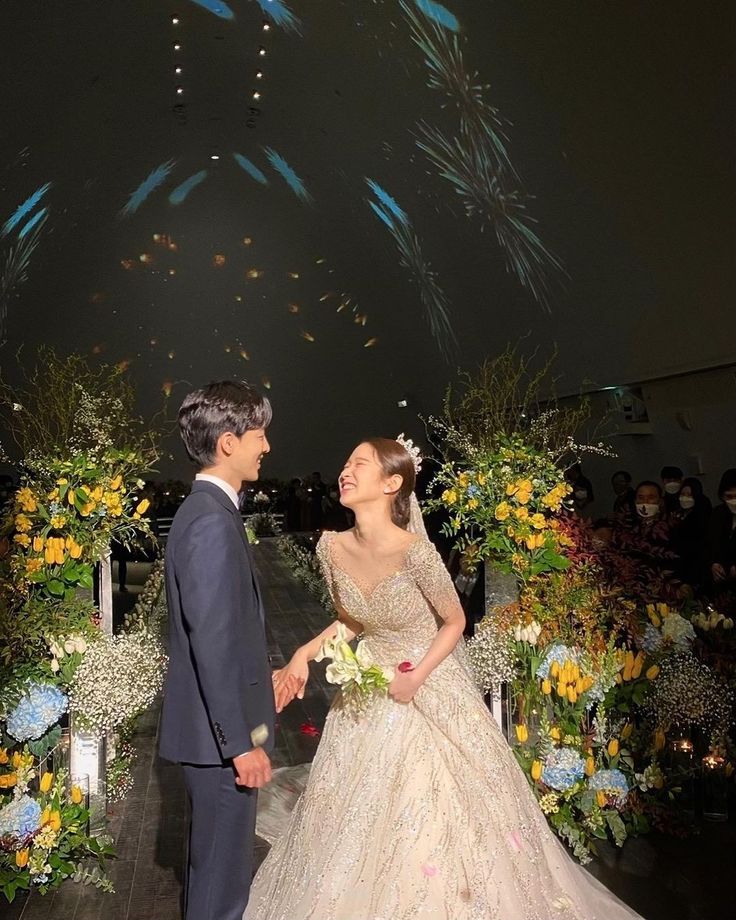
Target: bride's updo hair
{"type": "Point", "coordinates": [396, 461]}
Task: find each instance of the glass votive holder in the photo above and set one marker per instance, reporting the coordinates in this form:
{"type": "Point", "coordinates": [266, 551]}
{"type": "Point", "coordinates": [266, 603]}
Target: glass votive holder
{"type": "Point", "coordinates": [715, 788]}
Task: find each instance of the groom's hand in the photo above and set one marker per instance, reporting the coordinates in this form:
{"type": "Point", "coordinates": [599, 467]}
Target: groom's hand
{"type": "Point", "coordinates": [252, 769]}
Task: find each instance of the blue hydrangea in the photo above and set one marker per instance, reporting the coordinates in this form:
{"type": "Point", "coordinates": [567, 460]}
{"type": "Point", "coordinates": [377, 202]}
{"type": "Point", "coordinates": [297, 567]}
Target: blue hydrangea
{"type": "Point", "coordinates": [563, 768]}
{"type": "Point", "coordinates": [40, 708]}
{"type": "Point", "coordinates": [559, 653]}
{"type": "Point", "coordinates": [473, 490]}
{"type": "Point", "coordinates": [652, 638]}
{"type": "Point", "coordinates": [20, 818]}
{"type": "Point", "coordinates": [612, 781]}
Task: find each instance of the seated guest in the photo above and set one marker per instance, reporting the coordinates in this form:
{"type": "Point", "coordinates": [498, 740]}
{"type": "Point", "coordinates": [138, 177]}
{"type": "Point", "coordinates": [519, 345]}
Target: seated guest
{"type": "Point", "coordinates": [625, 502]}
{"type": "Point", "coordinates": [671, 477]}
{"type": "Point", "coordinates": [646, 537]}
{"type": "Point", "coordinates": [582, 488]}
{"type": "Point", "coordinates": [722, 542]}
{"type": "Point", "coordinates": [690, 528]}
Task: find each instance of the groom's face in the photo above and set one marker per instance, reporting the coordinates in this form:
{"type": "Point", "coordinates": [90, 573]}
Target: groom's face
{"type": "Point", "coordinates": [251, 448]}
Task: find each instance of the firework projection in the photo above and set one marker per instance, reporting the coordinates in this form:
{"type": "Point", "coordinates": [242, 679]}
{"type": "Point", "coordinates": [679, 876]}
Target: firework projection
{"type": "Point", "coordinates": [313, 195]}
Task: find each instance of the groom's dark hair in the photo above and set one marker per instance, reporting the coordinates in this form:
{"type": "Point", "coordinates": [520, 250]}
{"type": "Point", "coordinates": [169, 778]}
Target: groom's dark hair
{"type": "Point", "coordinates": [210, 411]}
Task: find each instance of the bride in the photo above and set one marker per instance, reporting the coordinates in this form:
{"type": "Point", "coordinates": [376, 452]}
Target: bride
{"type": "Point", "coordinates": [415, 807]}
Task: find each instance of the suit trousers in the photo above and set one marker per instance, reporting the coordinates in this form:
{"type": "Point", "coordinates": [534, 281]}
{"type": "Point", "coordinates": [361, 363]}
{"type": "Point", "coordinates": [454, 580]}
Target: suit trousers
{"type": "Point", "coordinates": [221, 840]}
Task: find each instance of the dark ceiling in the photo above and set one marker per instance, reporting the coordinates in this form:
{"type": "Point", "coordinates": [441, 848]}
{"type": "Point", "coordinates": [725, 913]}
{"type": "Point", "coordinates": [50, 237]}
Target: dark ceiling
{"type": "Point", "coordinates": [286, 267]}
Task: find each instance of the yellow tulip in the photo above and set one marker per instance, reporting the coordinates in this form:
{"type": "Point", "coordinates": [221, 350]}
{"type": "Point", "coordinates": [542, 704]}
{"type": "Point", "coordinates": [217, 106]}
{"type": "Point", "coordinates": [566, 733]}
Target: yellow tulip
{"type": "Point", "coordinates": [554, 670]}
{"type": "Point", "coordinates": [3, 756]}
{"type": "Point", "coordinates": [71, 496]}
{"type": "Point", "coordinates": [146, 504]}
{"type": "Point", "coordinates": [47, 781]}
{"type": "Point", "coordinates": [619, 678]}
{"type": "Point", "coordinates": [652, 672]}
{"type": "Point", "coordinates": [21, 858]}
{"type": "Point", "coordinates": [38, 544]}
{"type": "Point", "coordinates": [600, 798]}
{"type": "Point", "coordinates": [613, 747]}
{"type": "Point", "coordinates": [116, 483]}
{"type": "Point", "coordinates": [561, 688]}
{"type": "Point", "coordinates": [554, 733]}
{"type": "Point", "coordinates": [659, 739]}
{"type": "Point", "coordinates": [589, 766]}
{"type": "Point", "coordinates": [76, 795]}
{"type": "Point", "coordinates": [17, 760]}
{"type": "Point", "coordinates": [636, 670]}
{"type": "Point", "coordinates": [45, 815]}
{"type": "Point", "coordinates": [522, 733]}
{"type": "Point", "coordinates": [536, 770]}
{"type": "Point", "coordinates": [546, 687]}
{"type": "Point", "coordinates": [627, 672]}
{"type": "Point", "coordinates": [571, 694]}
{"type": "Point", "coordinates": [626, 731]}
{"type": "Point", "coordinates": [8, 780]}
{"type": "Point", "coordinates": [55, 821]}
{"type": "Point", "coordinates": [629, 659]}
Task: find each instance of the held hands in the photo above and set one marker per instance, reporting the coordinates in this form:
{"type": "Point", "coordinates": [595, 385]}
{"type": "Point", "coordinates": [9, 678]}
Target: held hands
{"type": "Point", "coordinates": [290, 682]}
{"type": "Point", "coordinates": [252, 769]}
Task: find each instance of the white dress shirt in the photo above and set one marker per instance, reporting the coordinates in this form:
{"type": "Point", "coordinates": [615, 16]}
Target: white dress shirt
{"type": "Point", "coordinates": [225, 486]}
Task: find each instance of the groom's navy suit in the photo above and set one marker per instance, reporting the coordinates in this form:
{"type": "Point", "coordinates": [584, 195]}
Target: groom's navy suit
{"type": "Point", "coordinates": [218, 699]}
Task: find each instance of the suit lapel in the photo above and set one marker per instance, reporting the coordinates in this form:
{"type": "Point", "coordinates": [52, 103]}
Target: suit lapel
{"type": "Point", "coordinates": [223, 499]}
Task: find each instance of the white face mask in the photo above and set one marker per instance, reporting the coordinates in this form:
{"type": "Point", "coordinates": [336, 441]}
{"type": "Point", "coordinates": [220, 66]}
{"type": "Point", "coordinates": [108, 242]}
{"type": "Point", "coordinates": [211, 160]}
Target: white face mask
{"type": "Point", "coordinates": [687, 502]}
{"type": "Point", "coordinates": [647, 511]}
{"type": "Point", "coordinates": [672, 488]}
{"type": "Point", "coordinates": [731, 505]}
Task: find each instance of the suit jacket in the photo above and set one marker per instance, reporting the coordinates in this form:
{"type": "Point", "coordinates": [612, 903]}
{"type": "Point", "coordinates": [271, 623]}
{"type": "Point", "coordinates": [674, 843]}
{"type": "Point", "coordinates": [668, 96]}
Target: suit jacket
{"type": "Point", "coordinates": [218, 694]}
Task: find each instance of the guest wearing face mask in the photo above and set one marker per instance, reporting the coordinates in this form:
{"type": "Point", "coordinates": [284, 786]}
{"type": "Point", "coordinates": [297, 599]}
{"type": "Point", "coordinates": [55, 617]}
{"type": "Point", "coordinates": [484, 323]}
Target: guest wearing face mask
{"type": "Point", "coordinates": [723, 535]}
{"type": "Point", "coordinates": [646, 537]}
{"type": "Point", "coordinates": [671, 477]}
{"type": "Point", "coordinates": [690, 528]}
{"type": "Point", "coordinates": [582, 489]}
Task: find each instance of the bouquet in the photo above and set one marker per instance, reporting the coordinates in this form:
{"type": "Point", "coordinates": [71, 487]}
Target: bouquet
{"type": "Point", "coordinates": [354, 672]}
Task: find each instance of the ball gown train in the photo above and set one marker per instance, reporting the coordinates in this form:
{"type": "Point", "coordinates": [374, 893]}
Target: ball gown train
{"type": "Point", "coordinates": [418, 810]}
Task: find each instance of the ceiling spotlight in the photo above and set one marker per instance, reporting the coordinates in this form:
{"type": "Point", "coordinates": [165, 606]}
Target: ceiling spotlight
{"type": "Point", "coordinates": [177, 70]}
{"type": "Point", "coordinates": [174, 20]}
{"type": "Point", "coordinates": [402, 403]}
{"type": "Point", "coordinates": [177, 46]}
{"type": "Point", "coordinates": [179, 90]}
{"type": "Point", "coordinates": [215, 156]}
{"type": "Point", "coordinates": [259, 75]}
{"type": "Point", "coordinates": [266, 27]}
{"type": "Point", "coordinates": [262, 51]}
{"type": "Point", "coordinates": [256, 95]}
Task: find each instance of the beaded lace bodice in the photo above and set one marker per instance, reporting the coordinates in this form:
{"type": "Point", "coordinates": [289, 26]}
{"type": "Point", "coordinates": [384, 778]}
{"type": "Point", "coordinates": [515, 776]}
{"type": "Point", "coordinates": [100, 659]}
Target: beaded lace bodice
{"type": "Point", "coordinates": [400, 612]}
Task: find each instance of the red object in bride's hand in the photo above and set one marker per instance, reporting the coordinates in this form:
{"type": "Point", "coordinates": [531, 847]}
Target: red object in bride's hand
{"type": "Point", "coordinates": [309, 728]}
{"type": "Point", "coordinates": [405, 666]}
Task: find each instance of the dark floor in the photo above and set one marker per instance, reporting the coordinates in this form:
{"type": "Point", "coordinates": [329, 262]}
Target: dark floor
{"type": "Point", "coordinates": [663, 878]}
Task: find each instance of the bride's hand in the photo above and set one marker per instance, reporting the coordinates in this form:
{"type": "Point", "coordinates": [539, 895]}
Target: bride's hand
{"type": "Point", "coordinates": [403, 687]}
{"type": "Point", "coordinates": [290, 681]}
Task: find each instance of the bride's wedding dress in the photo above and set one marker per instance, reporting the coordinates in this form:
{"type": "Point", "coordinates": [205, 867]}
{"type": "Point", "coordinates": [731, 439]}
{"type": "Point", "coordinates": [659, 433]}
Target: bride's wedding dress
{"type": "Point", "coordinates": [418, 810]}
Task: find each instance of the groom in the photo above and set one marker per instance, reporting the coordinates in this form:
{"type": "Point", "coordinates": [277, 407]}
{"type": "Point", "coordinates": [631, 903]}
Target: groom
{"type": "Point", "coordinates": [218, 711]}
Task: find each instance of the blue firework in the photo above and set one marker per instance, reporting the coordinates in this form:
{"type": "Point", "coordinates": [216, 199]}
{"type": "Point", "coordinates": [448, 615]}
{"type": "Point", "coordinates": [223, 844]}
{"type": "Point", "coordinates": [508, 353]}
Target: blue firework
{"type": "Point", "coordinates": [149, 185]}
{"type": "Point", "coordinates": [439, 14]}
{"type": "Point", "coordinates": [253, 171]}
{"type": "Point", "coordinates": [218, 7]}
{"type": "Point", "coordinates": [23, 210]}
{"type": "Point", "coordinates": [281, 15]}
{"type": "Point", "coordinates": [181, 191]}
{"type": "Point", "coordinates": [288, 175]}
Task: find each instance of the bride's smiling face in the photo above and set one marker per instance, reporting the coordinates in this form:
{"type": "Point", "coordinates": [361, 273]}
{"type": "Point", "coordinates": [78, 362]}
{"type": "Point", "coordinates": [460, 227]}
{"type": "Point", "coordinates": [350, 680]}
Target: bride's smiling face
{"type": "Point", "coordinates": [363, 479]}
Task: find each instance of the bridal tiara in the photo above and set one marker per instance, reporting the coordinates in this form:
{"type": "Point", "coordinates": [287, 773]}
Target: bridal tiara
{"type": "Point", "coordinates": [408, 445]}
